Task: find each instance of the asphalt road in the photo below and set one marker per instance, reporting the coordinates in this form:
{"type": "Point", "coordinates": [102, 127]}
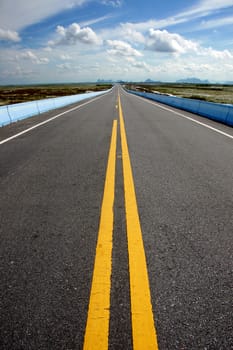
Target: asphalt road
{"type": "Point", "coordinates": [52, 182]}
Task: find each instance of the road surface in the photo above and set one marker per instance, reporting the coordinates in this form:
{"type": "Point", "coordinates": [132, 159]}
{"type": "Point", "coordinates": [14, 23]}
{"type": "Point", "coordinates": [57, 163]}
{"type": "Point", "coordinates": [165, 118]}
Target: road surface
{"type": "Point", "coordinates": [116, 229]}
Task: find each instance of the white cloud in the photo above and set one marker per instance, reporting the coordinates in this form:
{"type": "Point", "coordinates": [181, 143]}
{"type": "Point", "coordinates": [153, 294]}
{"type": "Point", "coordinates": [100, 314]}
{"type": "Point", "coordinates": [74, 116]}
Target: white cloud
{"type": "Point", "coordinates": [25, 13]}
{"type": "Point", "coordinates": [163, 41]}
{"type": "Point", "coordinates": [113, 3]}
{"type": "Point", "coordinates": [64, 66]}
{"type": "Point", "coordinates": [210, 52]}
{"type": "Point", "coordinates": [89, 67]}
{"type": "Point", "coordinates": [17, 72]}
{"type": "Point", "coordinates": [138, 64]}
{"type": "Point", "coordinates": [206, 7]}
{"type": "Point", "coordinates": [95, 67]}
{"type": "Point", "coordinates": [48, 49]}
{"type": "Point", "coordinates": [139, 47]}
{"type": "Point", "coordinates": [219, 22]}
{"type": "Point", "coordinates": [94, 20]}
{"type": "Point", "coordinates": [29, 55]}
{"type": "Point", "coordinates": [131, 34]}
{"type": "Point", "coordinates": [9, 35]}
{"type": "Point", "coordinates": [166, 42]}
{"type": "Point", "coordinates": [43, 60]}
{"type": "Point", "coordinates": [203, 67]}
{"type": "Point", "coordinates": [202, 9]}
{"type": "Point", "coordinates": [130, 59]}
{"type": "Point", "coordinates": [152, 23]}
{"type": "Point", "coordinates": [121, 48]}
{"type": "Point", "coordinates": [73, 34]}
{"type": "Point", "coordinates": [65, 57]}
{"type": "Point", "coordinates": [142, 65]}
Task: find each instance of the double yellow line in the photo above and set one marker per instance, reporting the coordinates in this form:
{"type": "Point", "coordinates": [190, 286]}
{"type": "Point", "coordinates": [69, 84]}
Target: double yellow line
{"type": "Point", "coordinates": [97, 328]}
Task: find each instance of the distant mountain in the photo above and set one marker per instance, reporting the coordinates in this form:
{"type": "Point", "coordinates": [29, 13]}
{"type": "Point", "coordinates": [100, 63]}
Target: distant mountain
{"type": "Point", "coordinates": [150, 81]}
{"type": "Point", "coordinates": [193, 81]}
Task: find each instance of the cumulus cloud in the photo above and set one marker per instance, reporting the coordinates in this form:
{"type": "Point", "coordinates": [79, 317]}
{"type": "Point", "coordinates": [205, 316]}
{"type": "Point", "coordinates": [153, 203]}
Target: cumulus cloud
{"type": "Point", "coordinates": [130, 34]}
{"type": "Point", "coordinates": [29, 55]}
{"type": "Point", "coordinates": [138, 64]}
{"type": "Point", "coordinates": [73, 34]}
{"type": "Point", "coordinates": [9, 35]}
{"type": "Point", "coordinates": [222, 55]}
{"type": "Point", "coordinates": [121, 48]}
{"type": "Point", "coordinates": [163, 41]}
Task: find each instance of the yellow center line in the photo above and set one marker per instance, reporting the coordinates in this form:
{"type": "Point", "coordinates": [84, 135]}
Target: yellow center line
{"type": "Point", "coordinates": [97, 327]}
{"type": "Point", "coordinates": [143, 328]}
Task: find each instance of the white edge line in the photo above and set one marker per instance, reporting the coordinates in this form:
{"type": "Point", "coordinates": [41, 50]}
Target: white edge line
{"type": "Point", "coordinates": [184, 116]}
{"type": "Point", "coordinates": [48, 120]}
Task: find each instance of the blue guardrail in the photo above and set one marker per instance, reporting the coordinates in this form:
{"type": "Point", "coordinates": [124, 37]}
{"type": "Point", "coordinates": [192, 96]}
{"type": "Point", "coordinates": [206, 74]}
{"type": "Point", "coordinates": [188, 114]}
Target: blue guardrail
{"type": "Point", "coordinates": [219, 112]}
{"type": "Point", "coordinates": [18, 111]}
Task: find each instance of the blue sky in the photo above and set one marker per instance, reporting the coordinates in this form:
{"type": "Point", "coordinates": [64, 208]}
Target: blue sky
{"type": "Point", "coordinates": [50, 41]}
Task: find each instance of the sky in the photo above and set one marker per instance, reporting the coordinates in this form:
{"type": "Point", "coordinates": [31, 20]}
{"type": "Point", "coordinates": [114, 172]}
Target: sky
{"type": "Point", "coordinates": [53, 41]}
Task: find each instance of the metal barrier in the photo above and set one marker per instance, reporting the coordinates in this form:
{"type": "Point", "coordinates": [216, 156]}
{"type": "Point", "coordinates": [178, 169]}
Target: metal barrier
{"type": "Point", "coordinates": [229, 118]}
{"type": "Point", "coordinates": [18, 111]}
{"type": "Point", "coordinates": [4, 116]}
{"type": "Point", "coordinates": [216, 111]}
{"type": "Point", "coordinates": [22, 110]}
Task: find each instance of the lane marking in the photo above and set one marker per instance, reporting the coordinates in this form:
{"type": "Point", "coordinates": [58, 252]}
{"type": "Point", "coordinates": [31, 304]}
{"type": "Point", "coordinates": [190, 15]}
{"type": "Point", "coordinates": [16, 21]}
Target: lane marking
{"type": "Point", "coordinates": [144, 333]}
{"type": "Point", "coordinates": [186, 117]}
{"type": "Point", "coordinates": [97, 327]}
{"type": "Point", "coordinates": [48, 120]}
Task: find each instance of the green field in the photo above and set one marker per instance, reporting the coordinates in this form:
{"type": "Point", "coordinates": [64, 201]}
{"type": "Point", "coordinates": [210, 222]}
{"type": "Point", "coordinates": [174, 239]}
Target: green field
{"type": "Point", "coordinates": [17, 94]}
{"type": "Point", "coordinates": [211, 93]}
{"type": "Point", "coordinates": [208, 92]}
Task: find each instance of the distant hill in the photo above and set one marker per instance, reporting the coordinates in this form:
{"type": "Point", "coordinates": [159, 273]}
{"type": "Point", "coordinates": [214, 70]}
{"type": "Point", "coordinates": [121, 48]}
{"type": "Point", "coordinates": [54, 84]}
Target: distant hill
{"type": "Point", "coordinates": [149, 81]}
{"type": "Point", "coordinates": [193, 81]}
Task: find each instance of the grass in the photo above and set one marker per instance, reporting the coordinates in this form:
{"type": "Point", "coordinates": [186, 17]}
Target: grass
{"type": "Point", "coordinates": [208, 92]}
{"type": "Point", "coordinates": [18, 94]}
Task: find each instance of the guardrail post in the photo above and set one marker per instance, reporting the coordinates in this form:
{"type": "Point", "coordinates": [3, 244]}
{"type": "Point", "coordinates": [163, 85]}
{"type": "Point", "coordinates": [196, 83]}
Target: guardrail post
{"type": "Point", "coordinates": [7, 107]}
{"type": "Point", "coordinates": [37, 105]}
